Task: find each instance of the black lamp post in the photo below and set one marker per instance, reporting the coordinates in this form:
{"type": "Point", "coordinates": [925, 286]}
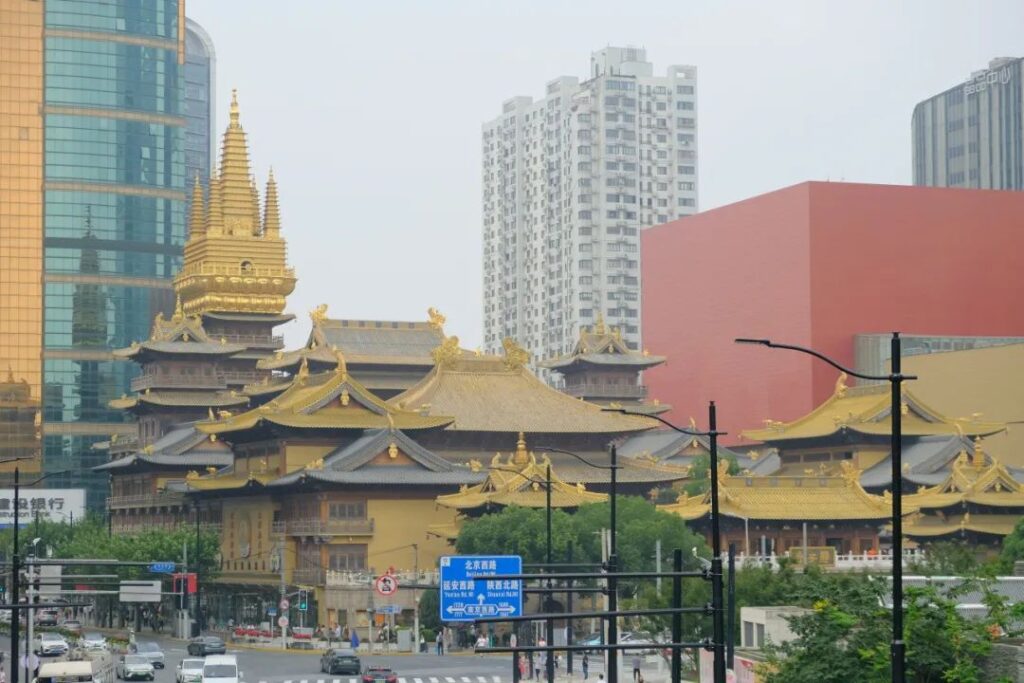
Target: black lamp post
{"type": "Point", "coordinates": [895, 379]}
{"type": "Point", "coordinates": [718, 625]}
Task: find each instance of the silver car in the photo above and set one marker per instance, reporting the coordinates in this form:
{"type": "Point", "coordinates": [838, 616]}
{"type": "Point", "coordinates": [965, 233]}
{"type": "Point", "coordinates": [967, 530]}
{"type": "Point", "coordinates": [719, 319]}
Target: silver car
{"type": "Point", "coordinates": [134, 668]}
{"type": "Point", "coordinates": [93, 642]}
{"type": "Point", "coordinates": [51, 645]}
{"type": "Point", "coordinates": [151, 651]}
{"type": "Point", "coordinates": [190, 671]}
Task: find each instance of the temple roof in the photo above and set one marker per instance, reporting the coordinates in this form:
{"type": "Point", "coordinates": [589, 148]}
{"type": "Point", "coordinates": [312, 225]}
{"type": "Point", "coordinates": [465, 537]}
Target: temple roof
{"type": "Point", "coordinates": [922, 525]}
{"type": "Point", "coordinates": [520, 480]}
{"type": "Point", "coordinates": [673, 448]}
{"type": "Point", "coordinates": [602, 345]}
{"type": "Point", "coordinates": [181, 446]}
{"type": "Point", "coordinates": [364, 342]}
{"type": "Point", "coordinates": [182, 399]}
{"type": "Point", "coordinates": [499, 394]}
{"type": "Point", "coordinates": [16, 393]}
{"type": "Point", "coordinates": [383, 457]}
{"type": "Point", "coordinates": [925, 461]}
{"type": "Point", "coordinates": [325, 400]}
{"type": "Point", "coordinates": [180, 335]}
{"type": "Point", "coordinates": [866, 410]}
{"type": "Point", "coordinates": [831, 498]}
{"type": "Point", "coordinates": [973, 479]}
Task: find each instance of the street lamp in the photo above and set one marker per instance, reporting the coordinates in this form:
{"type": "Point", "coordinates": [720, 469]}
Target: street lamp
{"type": "Point", "coordinates": [895, 379]}
{"type": "Point", "coordinates": [613, 587]}
{"type": "Point", "coordinates": [718, 626]}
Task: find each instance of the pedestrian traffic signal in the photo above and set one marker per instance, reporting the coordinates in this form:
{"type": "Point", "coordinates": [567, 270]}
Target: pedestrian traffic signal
{"type": "Point", "coordinates": [303, 602]}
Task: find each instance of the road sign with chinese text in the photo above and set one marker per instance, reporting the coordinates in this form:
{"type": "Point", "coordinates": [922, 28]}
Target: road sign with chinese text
{"type": "Point", "coordinates": [463, 598]}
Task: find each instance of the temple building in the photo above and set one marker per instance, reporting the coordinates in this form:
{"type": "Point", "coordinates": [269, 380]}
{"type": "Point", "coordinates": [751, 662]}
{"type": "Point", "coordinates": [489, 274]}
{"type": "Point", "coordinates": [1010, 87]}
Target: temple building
{"type": "Point", "coordinates": [602, 369]}
{"type": "Point", "coordinates": [979, 500]}
{"type": "Point", "coordinates": [19, 426]}
{"type": "Point", "coordinates": [766, 515]}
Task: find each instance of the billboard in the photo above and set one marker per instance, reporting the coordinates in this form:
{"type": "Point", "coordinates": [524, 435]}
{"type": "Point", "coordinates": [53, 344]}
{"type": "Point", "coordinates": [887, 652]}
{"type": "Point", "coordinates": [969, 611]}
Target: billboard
{"type": "Point", "coordinates": [51, 505]}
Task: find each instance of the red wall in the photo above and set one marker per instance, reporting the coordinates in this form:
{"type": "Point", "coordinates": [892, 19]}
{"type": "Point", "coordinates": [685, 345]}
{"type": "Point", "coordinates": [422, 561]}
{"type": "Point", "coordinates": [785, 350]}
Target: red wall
{"type": "Point", "coordinates": [815, 264]}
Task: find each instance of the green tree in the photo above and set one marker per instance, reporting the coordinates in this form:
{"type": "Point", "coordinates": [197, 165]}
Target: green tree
{"type": "Point", "coordinates": [700, 473]}
{"type": "Point", "coordinates": [515, 531]}
{"type": "Point", "coordinates": [1013, 547]}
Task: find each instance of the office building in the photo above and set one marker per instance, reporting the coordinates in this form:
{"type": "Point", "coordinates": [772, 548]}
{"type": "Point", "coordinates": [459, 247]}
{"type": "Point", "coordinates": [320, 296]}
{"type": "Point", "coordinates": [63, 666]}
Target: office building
{"type": "Point", "coordinates": [972, 135]}
{"type": "Point", "coordinates": [819, 264]}
{"type": "Point", "coordinates": [200, 95]}
{"type": "Point", "coordinates": [92, 210]}
{"type": "Point", "coordinates": [569, 182]}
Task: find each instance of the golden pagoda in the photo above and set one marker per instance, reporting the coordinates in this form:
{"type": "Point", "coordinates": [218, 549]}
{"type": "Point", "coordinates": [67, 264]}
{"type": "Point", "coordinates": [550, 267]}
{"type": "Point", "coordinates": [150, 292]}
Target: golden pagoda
{"type": "Point", "coordinates": [980, 500]}
{"type": "Point", "coordinates": [235, 256]}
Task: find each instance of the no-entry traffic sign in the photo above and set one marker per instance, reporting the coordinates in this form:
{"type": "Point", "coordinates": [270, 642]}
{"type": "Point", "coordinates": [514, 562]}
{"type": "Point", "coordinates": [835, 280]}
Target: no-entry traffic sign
{"type": "Point", "coordinates": [282, 622]}
{"type": "Point", "coordinates": [386, 585]}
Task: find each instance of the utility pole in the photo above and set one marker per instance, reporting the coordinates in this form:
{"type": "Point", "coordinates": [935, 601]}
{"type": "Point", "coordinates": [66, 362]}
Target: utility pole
{"type": "Point", "coordinates": [15, 572]}
{"type": "Point", "coordinates": [416, 597]}
{"type": "Point", "coordinates": [657, 564]}
{"type": "Point", "coordinates": [283, 612]}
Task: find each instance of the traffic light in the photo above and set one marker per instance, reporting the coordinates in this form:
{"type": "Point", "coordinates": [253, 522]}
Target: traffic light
{"type": "Point", "coordinates": [303, 601]}
{"type": "Point", "coordinates": [36, 585]}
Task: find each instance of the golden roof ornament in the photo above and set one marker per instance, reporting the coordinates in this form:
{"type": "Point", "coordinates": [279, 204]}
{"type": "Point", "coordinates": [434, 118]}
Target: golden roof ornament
{"type": "Point", "coordinates": [599, 326]}
{"type": "Point", "coordinates": [342, 367]}
{"type": "Point", "coordinates": [436, 319]}
{"type": "Point", "coordinates": [148, 450]}
{"type": "Point", "coordinates": [192, 474]}
{"type": "Point", "coordinates": [224, 414]}
{"type": "Point", "coordinates": [197, 212]}
{"type": "Point", "coordinates": [317, 464]}
{"type": "Point", "coordinates": [303, 370]}
{"type": "Point", "coordinates": [446, 354]}
{"type": "Point", "coordinates": [979, 454]}
{"type": "Point", "coordinates": [840, 388]}
{"type": "Point", "coordinates": [318, 315]}
{"type": "Point", "coordinates": [521, 458]}
{"type": "Point", "coordinates": [476, 465]}
{"type": "Point", "coordinates": [178, 313]}
{"type": "Point", "coordinates": [271, 210]}
{"type": "Point", "coordinates": [344, 398]}
{"type": "Point", "coordinates": [850, 473]}
{"type": "Point", "coordinates": [392, 450]}
{"type": "Point", "coordinates": [209, 414]}
{"type": "Point", "coordinates": [211, 470]}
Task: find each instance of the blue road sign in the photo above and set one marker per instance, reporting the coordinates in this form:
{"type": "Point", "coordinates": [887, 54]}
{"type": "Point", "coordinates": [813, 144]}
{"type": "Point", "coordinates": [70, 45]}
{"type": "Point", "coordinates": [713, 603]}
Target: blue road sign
{"type": "Point", "coordinates": [162, 567]}
{"type": "Point", "coordinates": [464, 599]}
{"type": "Point", "coordinates": [272, 612]}
{"type": "Point", "coordinates": [387, 609]}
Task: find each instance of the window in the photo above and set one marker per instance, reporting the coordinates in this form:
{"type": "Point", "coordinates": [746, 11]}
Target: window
{"type": "Point", "coordinates": [347, 557]}
{"type": "Point", "coordinates": [682, 105]}
{"type": "Point", "coordinates": [586, 280]}
{"type": "Point", "coordinates": [686, 170]}
{"type": "Point", "coordinates": [684, 89]}
{"type": "Point", "coordinates": [660, 106]}
{"type": "Point", "coordinates": [662, 138]}
{"type": "Point", "coordinates": [684, 122]}
{"type": "Point", "coordinates": [611, 165]}
{"type": "Point", "coordinates": [348, 510]}
{"type": "Point", "coordinates": [685, 201]}
{"type": "Point", "coordinates": [586, 312]}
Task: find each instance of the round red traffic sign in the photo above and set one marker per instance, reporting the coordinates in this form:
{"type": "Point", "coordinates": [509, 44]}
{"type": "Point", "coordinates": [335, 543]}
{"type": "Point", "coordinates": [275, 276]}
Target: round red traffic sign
{"type": "Point", "coordinates": [386, 585]}
{"type": "Point", "coordinates": [282, 622]}
{"type": "Point", "coordinates": [284, 604]}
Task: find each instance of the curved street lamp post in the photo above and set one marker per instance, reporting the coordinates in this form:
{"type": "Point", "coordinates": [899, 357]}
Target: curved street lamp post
{"type": "Point", "coordinates": [895, 379]}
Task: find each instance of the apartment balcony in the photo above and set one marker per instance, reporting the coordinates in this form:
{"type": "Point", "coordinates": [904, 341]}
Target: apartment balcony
{"type": "Point", "coordinates": [323, 527]}
{"type": "Point", "coordinates": [609, 391]}
{"type": "Point", "coordinates": [155, 381]}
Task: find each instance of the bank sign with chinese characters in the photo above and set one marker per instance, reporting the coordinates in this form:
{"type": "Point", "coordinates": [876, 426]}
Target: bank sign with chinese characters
{"type": "Point", "coordinates": [50, 505]}
{"type": "Point", "coordinates": [467, 594]}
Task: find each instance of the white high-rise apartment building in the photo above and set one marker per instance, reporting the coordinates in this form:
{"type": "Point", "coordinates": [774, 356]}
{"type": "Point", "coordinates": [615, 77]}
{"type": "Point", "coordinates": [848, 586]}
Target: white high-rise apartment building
{"type": "Point", "coordinates": [569, 181]}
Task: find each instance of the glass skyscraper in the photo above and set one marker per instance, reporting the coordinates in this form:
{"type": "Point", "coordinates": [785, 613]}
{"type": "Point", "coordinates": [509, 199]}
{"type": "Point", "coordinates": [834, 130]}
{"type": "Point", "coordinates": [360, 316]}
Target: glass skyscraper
{"type": "Point", "coordinates": [92, 212]}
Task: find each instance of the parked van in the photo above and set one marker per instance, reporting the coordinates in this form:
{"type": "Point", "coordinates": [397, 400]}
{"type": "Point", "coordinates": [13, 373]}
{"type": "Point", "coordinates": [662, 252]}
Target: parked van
{"type": "Point", "coordinates": [221, 669]}
{"type": "Point", "coordinates": [92, 670]}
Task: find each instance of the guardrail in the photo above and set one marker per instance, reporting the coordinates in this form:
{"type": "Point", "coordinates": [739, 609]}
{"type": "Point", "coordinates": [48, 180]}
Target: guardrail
{"type": "Point", "coordinates": [880, 561]}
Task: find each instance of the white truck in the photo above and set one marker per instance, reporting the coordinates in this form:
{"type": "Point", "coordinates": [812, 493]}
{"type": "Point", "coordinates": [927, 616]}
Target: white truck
{"type": "Point", "coordinates": [97, 669]}
{"type": "Point", "coordinates": [221, 669]}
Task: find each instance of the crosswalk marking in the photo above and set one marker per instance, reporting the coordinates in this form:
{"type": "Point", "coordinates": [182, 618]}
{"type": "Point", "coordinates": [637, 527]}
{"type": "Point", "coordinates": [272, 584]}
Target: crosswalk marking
{"type": "Point", "coordinates": [320, 680]}
{"type": "Point", "coordinates": [449, 679]}
{"type": "Point", "coordinates": [465, 679]}
{"type": "Point", "coordinates": [418, 680]}
{"type": "Point", "coordinates": [481, 679]}
{"type": "Point", "coordinates": [433, 679]}
{"type": "Point", "coordinates": [497, 679]}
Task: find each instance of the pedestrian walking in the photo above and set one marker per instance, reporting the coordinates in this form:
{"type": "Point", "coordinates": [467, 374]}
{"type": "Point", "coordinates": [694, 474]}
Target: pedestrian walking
{"type": "Point", "coordinates": [355, 640]}
{"type": "Point", "coordinates": [439, 644]}
{"type": "Point", "coordinates": [586, 666]}
{"type": "Point", "coordinates": [522, 666]}
{"type": "Point", "coordinates": [637, 678]}
{"type": "Point", "coordinates": [537, 668]}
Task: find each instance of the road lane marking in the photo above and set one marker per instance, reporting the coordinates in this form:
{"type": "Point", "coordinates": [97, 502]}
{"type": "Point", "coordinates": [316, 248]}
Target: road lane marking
{"type": "Point", "coordinates": [418, 680]}
{"type": "Point", "coordinates": [433, 679]}
{"type": "Point", "coordinates": [465, 679]}
{"type": "Point", "coordinates": [449, 679]}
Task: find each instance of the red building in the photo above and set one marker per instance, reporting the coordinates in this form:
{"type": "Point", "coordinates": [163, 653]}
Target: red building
{"type": "Point", "coordinates": [815, 264]}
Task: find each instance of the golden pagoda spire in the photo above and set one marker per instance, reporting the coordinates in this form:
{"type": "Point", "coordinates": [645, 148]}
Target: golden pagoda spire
{"type": "Point", "coordinates": [979, 454]}
{"type": "Point", "coordinates": [257, 222]}
{"type": "Point", "coordinates": [215, 209]}
{"type": "Point", "coordinates": [197, 214]}
{"type": "Point", "coordinates": [521, 457]}
{"type": "Point", "coordinates": [271, 210]}
{"type": "Point", "coordinates": [599, 327]}
{"type": "Point", "coordinates": [235, 173]}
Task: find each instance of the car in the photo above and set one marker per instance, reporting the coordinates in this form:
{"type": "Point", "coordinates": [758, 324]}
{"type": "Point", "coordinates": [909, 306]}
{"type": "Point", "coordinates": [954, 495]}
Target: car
{"type": "Point", "coordinates": [340, 661]}
{"type": "Point", "coordinates": [72, 626]}
{"type": "Point", "coordinates": [221, 669]}
{"type": "Point", "coordinates": [134, 667]}
{"type": "Point", "coordinates": [46, 617]}
{"type": "Point", "coordinates": [379, 674]}
{"type": "Point", "coordinates": [93, 642]}
{"type": "Point", "coordinates": [51, 645]}
{"type": "Point", "coordinates": [150, 651]}
{"type": "Point", "coordinates": [206, 645]}
{"type": "Point", "coordinates": [190, 670]}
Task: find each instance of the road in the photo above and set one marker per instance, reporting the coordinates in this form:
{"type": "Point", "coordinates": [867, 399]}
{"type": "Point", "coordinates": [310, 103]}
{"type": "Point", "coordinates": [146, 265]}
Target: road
{"type": "Point", "coordinates": [294, 667]}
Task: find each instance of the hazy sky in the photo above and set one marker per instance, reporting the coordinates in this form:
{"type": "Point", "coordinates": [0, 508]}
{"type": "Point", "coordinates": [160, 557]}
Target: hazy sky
{"type": "Point", "coordinates": [370, 113]}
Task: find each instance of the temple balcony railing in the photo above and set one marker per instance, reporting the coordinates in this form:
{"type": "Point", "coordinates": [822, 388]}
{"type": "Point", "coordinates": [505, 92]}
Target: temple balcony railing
{"type": "Point", "coordinates": [880, 562]}
{"type": "Point", "coordinates": [323, 527]}
{"type": "Point", "coordinates": [159, 381]}
{"type": "Point", "coordinates": [253, 271]}
{"type": "Point", "coordinates": [243, 376]}
{"type": "Point", "coordinates": [361, 579]}
{"type": "Point", "coordinates": [145, 500]}
{"type": "Point", "coordinates": [606, 390]}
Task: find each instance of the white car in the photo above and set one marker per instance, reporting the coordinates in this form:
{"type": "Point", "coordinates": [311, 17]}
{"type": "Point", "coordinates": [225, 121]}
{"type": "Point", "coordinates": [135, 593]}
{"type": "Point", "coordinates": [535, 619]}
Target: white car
{"type": "Point", "coordinates": [134, 667]}
{"type": "Point", "coordinates": [190, 671]}
{"type": "Point", "coordinates": [93, 642]}
{"type": "Point", "coordinates": [221, 669]}
{"type": "Point", "coordinates": [51, 645]}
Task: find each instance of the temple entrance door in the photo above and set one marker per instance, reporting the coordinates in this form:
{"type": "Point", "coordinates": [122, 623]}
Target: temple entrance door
{"type": "Point", "coordinates": [838, 543]}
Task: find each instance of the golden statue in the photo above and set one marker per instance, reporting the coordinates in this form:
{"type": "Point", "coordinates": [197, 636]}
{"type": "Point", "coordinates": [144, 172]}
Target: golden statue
{"type": "Point", "coordinates": [317, 464]}
{"type": "Point", "coordinates": [599, 326]}
{"type": "Point", "coordinates": [436, 318]}
{"type": "Point", "coordinates": [446, 354]}
{"type": "Point", "coordinates": [849, 472]}
{"type": "Point", "coordinates": [841, 387]}
{"type": "Point", "coordinates": [303, 372]}
{"type": "Point", "coordinates": [192, 474]}
{"type": "Point", "coordinates": [211, 471]}
{"type": "Point", "coordinates": [223, 414]}
{"type": "Point", "coordinates": [318, 315]}
{"type": "Point", "coordinates": [475, 465]}
{"type": "Point", "coordinates": [392, 450]}
{"type": "Point", "coordinates": [515, 355]}
{"type": "Point", "coordinates": [344, 397]}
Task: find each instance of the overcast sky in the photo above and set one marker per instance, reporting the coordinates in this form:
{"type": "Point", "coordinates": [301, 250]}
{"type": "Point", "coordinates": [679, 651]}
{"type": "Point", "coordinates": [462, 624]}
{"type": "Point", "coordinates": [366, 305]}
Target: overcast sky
{"type": "Point", "coordinates": [370, 113]}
